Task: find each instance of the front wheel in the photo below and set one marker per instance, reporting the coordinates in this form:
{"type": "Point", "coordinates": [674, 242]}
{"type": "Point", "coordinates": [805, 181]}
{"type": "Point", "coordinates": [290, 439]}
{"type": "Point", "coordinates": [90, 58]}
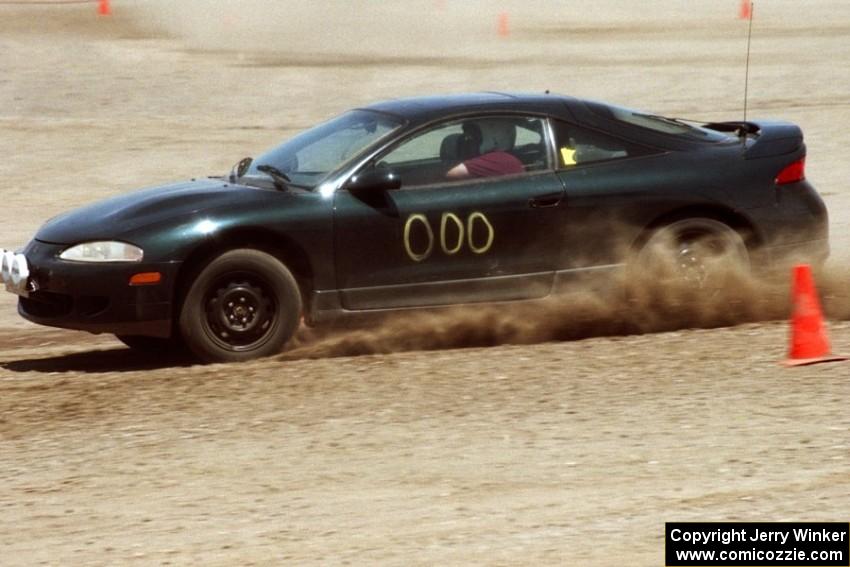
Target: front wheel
{"type": "Point", "coordinates": [244, 304]}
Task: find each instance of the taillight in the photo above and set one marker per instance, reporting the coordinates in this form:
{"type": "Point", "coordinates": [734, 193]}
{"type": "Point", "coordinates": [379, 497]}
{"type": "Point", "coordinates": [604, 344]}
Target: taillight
{"type": "Point", "coordinates": [792, 173]}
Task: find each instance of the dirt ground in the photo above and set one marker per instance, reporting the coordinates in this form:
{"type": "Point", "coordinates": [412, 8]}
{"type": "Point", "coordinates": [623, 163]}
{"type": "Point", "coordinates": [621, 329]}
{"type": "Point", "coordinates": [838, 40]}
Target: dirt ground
{"type": "Point", "coordinates": [417, 451]}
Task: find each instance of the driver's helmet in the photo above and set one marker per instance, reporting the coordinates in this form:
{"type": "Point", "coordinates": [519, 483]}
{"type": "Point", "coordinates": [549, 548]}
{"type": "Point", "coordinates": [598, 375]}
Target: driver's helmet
{"type": "Point", "coordinates": [497, 135]}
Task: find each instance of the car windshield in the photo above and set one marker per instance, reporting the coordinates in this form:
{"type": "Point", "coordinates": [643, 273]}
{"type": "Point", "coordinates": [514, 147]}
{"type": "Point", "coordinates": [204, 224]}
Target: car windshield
{"type": "Point", "coordinates": [657, 123]}
{"type": "Point", "coordinates": [310, 156]}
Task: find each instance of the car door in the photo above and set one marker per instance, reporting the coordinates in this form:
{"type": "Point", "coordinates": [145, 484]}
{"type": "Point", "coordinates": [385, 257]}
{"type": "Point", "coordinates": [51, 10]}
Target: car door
{"type": "Point", "coordinates": [609, 196]}
{"type": "Point", "coordinates": [440, 241]}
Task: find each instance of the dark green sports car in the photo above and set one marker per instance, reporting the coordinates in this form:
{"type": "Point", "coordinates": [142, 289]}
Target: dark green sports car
{"type": "Point", "coordinates": [418, 203]}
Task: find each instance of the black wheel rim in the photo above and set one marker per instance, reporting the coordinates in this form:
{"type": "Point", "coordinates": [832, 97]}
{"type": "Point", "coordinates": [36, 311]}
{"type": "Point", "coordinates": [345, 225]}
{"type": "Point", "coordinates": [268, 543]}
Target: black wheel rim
{"type": "Point", "coordinates": [240, 311]}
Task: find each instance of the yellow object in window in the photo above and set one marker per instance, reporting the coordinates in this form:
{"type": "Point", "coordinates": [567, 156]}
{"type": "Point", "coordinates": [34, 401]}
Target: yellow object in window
{"type": "Point", "coordinates": [568, 156]}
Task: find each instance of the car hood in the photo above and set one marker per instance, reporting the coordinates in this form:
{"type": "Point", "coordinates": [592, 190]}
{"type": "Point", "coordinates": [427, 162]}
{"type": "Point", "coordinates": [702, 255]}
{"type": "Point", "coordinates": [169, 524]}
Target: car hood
{"type": "Point", "coordinates": [121, 215]}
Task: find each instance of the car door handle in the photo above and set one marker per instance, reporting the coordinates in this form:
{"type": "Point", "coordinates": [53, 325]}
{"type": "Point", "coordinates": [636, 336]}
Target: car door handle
{"type": "Point", "coordinates": [547, 200]}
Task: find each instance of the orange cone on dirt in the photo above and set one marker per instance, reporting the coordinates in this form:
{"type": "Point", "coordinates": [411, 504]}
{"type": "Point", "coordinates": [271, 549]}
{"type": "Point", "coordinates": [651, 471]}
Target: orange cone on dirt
{"type": "Point", "coordinates": [809, 344]}
{"type": "Point", "coordinates": [103, 8]}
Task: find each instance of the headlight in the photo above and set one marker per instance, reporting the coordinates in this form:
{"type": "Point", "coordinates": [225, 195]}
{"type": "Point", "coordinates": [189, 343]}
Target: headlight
{"type": "Point", "coordinates": [103, 252]}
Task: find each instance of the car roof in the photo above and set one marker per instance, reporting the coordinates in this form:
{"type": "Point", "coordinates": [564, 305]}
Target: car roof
{"type": "Point", "coordinates": [424, 108]}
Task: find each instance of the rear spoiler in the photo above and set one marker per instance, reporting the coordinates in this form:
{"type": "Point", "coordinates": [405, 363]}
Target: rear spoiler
{"type": "Point", "coordinates": [769, 138]}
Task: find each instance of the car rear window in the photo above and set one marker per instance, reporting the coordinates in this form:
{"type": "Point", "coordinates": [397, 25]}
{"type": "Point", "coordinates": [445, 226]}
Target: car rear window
{"type": "Point", "coordinates": [662, 124]}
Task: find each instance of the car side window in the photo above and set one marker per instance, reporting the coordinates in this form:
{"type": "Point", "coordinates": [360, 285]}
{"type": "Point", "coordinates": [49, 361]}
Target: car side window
{"type": "Point", "coordinates": [478, 147]}
{"type": "Point", "coordinates": [577, 146]}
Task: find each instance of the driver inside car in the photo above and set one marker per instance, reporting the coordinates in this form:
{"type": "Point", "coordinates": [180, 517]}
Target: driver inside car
{"type": "Point", "coordinates": [497, 138]}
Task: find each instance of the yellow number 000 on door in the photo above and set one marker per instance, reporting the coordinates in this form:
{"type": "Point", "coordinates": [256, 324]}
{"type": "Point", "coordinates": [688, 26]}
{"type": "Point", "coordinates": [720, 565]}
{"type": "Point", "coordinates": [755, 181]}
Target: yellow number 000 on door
{"type": "Point", "coordinates": [464, 232]}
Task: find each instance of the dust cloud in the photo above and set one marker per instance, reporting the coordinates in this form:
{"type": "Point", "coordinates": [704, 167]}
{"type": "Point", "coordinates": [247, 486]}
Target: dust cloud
{"type": "Point", "coordinates": [636, 307]}
{"type": "Point", "coordinates": [421, 29]}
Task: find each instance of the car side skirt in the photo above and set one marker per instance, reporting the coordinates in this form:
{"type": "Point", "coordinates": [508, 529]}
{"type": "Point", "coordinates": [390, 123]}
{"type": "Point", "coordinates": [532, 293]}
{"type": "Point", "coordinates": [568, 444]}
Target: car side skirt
{"type": "Point", "coordinates": [331, 305]}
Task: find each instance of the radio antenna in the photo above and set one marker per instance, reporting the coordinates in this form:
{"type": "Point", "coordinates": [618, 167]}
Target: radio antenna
{"type": "Point", "coordinates": [747, 74]}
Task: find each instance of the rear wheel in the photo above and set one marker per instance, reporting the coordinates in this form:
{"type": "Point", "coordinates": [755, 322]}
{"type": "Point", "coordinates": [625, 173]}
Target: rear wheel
{"type": "Point", "coordinates": [244, 304]}
{"type": "Point", "coordinates": [696, 253]}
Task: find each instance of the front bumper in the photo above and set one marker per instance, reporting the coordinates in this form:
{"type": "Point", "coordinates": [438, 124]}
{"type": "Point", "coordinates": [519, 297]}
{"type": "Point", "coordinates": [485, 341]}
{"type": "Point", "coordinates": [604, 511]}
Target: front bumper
{"type": "Point", "coordinates": [95, 297]}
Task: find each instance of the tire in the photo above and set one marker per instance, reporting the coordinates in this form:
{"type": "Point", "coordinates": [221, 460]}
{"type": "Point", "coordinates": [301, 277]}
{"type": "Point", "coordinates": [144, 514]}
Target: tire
{"type": "Point", "coordinates": [145, 344]}
{"type": "Point", "coordinates": [245, 304]}
{"type": "Point", "coordinates": [697, 253]}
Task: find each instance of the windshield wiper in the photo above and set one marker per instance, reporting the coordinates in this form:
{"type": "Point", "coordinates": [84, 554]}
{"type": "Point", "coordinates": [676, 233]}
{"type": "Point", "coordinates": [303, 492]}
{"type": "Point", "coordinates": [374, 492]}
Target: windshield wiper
{"type": "Point", "coordinates": [280, 179]}
{"type": "Point", "coordinates": [677, 121]}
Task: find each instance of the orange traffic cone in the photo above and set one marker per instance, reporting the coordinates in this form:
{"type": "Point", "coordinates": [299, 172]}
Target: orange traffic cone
{"type": "Point", "coordinates": [103, 8]}
{"type": "Point", "coordinates": [809, 344]}
{"type": "Point", "coordinates": [745, 12]}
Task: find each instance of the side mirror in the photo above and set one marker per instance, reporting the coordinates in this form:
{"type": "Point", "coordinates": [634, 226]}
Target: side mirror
{"type": "Point", "coordinates": [239, 169]}
{"type": "Point", "coordinates": [374, 180]}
